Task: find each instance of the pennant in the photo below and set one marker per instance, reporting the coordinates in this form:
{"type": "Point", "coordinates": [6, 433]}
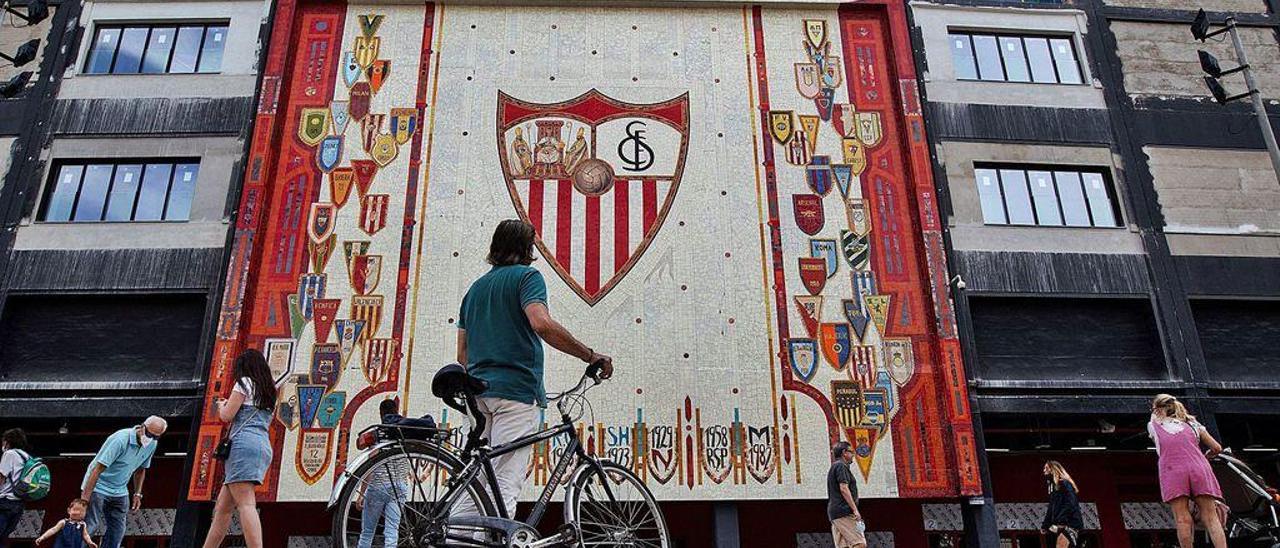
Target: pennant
{"type": "Point", "coordinates": [340, 180]}
{"type": "Point", "coordinates": [369, 24]}
{"type": "Point", "coordinates": [810, 308]}
{"type": "Point", "coordinates": [379, 355]}
{"type": "Point", "coordinates": [296, 320]}
{"type": "Point", "coordinates": [320, 252]}
{"type": "Point", "coordinates": [364, 172]}
{"type": "Point", "coordinates": [378, 73]}
{"type": "Point", "coordinates": [809, 125]}
{"type": "Point", "coordinates": [878, 309]}
{"type": "Point", "coordinates": [856, 315]}
{"type": "Point", "coordinates": [864, 441]}
{"type": "Point", "coordinates": [326, 364]}
{"type": "Point", "coordinates": [813, 273]}
{"type": "Point", "coordinates": [404, 122]}
{"type": "Point", "coordinates": [368, 309]}
{"type": "Point", "coordinates": [835, 344]}
{"type": "Point", "coordinates": [309, 396]}
{"type": "Point", "coordinates": [348, 334]}
{"type": "Point", "coordinates": [781, 125]}
{"type": "Point", "coordinates": [350, 68]}
{"type": "Point", "coordinates": [341, 114]}
{"type": "Point", "coordinates": [843, 174]}
{"type": "Point", "coordinates": [803, 355]}
{"type": "Point", "coordinates": [856, 249]}
{"type": "Point", "coordinates": [325, 312]}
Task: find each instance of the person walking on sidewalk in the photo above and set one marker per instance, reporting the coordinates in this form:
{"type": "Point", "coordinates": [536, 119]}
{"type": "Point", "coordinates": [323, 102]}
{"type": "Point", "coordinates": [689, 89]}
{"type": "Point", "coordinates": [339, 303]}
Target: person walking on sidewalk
{"type": "Point", "coordinates": [1063, 520]}
{"type": "Point", "coordinates": [248, 409]}
{"type": "Point", "coordinates": [847, 527]}
{"type": "Point", "coordinates": [1185, 473]}
{"type": "Point", "coordinates": [16, 451]}
{"type": "Point", "coordinates": [383, 497]}
{"type": "Point", "coordinates": [124, 457]}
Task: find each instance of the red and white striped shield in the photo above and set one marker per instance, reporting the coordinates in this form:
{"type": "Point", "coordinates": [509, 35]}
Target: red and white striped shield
{"type": "Point", "coordinates": [596, 178]}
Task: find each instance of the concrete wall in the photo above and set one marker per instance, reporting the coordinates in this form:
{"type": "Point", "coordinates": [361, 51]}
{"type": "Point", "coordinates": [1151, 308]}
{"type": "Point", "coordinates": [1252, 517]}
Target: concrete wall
{"type": "Point", "coordinates": [940, 80]}
{"type": "Point", "coordinates": [1160, 59]}
{"type": "Point", "coordinates": [1245, 6]}
{"type": "Point", "coordinates": [968, 233]}
{"type": "Point", "coordinates": [6, 149]}
{"type": "Point", "coordinates": [12, 37]}
{"type": "Point", "coordinates": [207, 227]}
{"type": "Point", "coordinates": [239, 61]}
{"type": "Point", "coordinates": [1218, 202]}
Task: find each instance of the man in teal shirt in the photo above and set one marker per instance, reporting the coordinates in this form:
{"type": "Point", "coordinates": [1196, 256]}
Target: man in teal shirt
{"type": "Point", "coordinates": [501, 325]}
{"type": "Point", "coordinates": [125, 456]}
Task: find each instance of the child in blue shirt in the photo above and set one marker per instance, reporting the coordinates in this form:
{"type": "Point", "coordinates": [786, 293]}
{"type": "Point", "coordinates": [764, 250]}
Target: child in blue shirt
{"type": "Point", "coordinates": [70, 532]}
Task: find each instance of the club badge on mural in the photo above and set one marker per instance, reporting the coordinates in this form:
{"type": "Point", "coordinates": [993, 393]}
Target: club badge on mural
{"type": "Point", "coordinates": [595, 176]}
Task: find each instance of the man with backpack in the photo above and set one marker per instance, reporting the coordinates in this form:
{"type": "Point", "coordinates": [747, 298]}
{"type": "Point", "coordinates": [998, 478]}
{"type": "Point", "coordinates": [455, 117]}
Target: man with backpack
{"type": "Point", "coordinates": [22, 478]}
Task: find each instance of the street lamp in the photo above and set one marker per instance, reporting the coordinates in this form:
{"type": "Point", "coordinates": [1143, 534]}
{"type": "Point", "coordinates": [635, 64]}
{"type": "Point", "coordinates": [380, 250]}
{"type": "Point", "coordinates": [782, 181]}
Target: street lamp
{"type": "Point", "coordinates": [1213, 70]}
{"type": "Point", "coordinates": [37, 11]}
{"type": "Point", "coordinates": [15, 84]}
{"type": "Point", "coordinates": [26, 53]}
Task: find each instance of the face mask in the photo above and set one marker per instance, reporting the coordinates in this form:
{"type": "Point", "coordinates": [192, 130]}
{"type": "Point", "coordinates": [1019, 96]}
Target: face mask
{"type": "Point", "coordinates": [1048, 478]}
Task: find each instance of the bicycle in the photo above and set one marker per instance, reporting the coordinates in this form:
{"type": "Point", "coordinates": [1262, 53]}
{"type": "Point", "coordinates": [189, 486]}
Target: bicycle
{"type": "Point", "coordinates": [605, 504]}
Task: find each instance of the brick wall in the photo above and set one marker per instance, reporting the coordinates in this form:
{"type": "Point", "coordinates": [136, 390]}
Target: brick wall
{"type": "Point", "coordinates": [1160, 59]}
{"type": "Point", "coordinates": [1223, 191]}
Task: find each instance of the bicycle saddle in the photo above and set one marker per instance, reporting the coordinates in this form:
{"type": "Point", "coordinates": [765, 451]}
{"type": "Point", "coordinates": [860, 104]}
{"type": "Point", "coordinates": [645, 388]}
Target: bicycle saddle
{"type": "Point", "coordinates": [455, 386]}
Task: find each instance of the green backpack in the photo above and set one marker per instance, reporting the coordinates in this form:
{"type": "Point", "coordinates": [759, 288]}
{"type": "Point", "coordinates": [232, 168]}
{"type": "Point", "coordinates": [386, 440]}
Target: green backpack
{"type": "Point", "coordinates": [33, 479]}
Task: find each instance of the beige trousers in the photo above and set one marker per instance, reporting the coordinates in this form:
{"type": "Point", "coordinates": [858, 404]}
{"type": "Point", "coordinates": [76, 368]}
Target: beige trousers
{"type": "Point", "coordinates": [505, 420]}
{"type": "Point", "coordinates": [845, 534]}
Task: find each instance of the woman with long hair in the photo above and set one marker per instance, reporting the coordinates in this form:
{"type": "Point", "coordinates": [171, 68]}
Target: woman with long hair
{"type": "Point", "coordinates": [1063, 519]}
{"type": "Point", "coordinates": [14, 452]}
{"type": "Point", "coordinates": [249, 410]}
{"type": "Point", "coordinates": [1185, 474]}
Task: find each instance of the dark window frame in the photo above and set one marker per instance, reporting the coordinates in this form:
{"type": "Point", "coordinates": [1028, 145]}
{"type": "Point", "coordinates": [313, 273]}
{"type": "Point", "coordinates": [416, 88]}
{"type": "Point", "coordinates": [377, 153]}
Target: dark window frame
{"type": "Point", "coordinates": [151, 26]}
{"type": "Point", "coordinates": [1053, 169]}
{"type": "Point", "coordinates": [55, 170]}
{"type": "Point", "coordinates": [1022, 37]}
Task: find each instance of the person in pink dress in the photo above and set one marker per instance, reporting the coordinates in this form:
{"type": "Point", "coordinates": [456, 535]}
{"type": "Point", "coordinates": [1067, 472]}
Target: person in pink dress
{"type": "Point", "coordinates": [1185, 474]}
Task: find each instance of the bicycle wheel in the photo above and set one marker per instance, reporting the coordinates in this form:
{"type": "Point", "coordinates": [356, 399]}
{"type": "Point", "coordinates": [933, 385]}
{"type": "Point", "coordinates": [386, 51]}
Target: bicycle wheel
{"type": "Point", "coordinates": [408, 481]}
{"type": "Point", "coordinates": [631, 518]}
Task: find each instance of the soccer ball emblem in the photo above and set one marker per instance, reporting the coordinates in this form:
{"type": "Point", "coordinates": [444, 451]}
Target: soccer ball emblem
{"type": "Point", "coordinates": [593, 177]}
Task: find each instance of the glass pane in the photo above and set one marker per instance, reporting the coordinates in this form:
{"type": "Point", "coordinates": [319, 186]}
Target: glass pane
{"type": "Point", "coordinates": [211, 55]}
{"type": "Point", "coordinates": [184, 184]}
{"type": "Point", "coordinates": [124, 189]}
{"type": "Point", "coordinates": [1041, 61]}
{"type": "Point", "coordinates": [1064, 56]}
{"type": "Point", "coordinates": [129, 57]}
{"type": "Point", "coordinates": [93, 192]}
{"type": "Point", "coordinates": [1045, 198]}
{"type": "Point", "coordinates": [59, 205]}
{"type": "Point", "coordinates": [989, 195]}
{"type": "Point", "coordinates": [158, 49]}
{"type": "Point", "coordinates": [1016, 198]}
{"type": "Point", "coordinates": [186, 50]}
{"type": "Point", "coordinates": [988, 52]}
{"type": "Point", "coordinates": [1095, 187]}
{"type": "Point", "coordinates": [155, 186]}
{"type": "Point", "coordinates": [104, 49]}
{"type": "Point", "coordinates": [1015, 64]}
{"type": "Point", "coordinates": [962, 57]}
{"type": "Point", "coordinates": [1072, 198]}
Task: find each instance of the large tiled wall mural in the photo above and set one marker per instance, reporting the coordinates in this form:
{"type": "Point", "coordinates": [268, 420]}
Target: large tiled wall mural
{"type": "Point", "coordinates": [735, 203]}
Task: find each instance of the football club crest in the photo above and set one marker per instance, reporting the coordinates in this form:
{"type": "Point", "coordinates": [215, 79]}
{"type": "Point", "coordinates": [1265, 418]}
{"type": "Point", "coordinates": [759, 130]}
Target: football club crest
{"type": "Point", "coordinates": [810, 309]}
{"type": "Point", "coordinates": [326, 311]}
{"type": "Point", "coordinates": [813, 273]}
{"type": "Point", "coordinates": [846, 397]}
{"type": "Point", "coordinates": [844, 119]}
{"type": "Point", "coordinates": [314, 454]}
{"type": "Point", "coordinates": [365, 272]}
{"type": "Point", "coordinates": [854, 154]}
{"type": "Point", "coordinates": [815, 30]}
{"type": "Point", "coordinates": [326, 364]}
{"type": "Point", "coordinates": [873, 408]}
{"type": "Point", "coordinates": [781, 125]}
{"type": "Point", "coordinates": [348, 335]}
{"type": "Point", "coordinates": [831, 73]}
{"type": "Point", "coordinates": [369, 24]}
{"type": "Point", "coordinates": [340, 180]}
{"type": "Point", "coordinates": [364, 171]}
{"type": "Point", "coordinates": [856, 211]}
{"type": "Point", "coordinates": [864, 441]}
{"type": "Point", "coordinates": [368, 309]}
{"type": "Point", "coordinates": [663, 459]}
{"type": "Point", "coordinates": [370, 128]}
{"type": "Point", "coordinates": [869, 130]}
{"type": "Point", "coordinates": [808, 212]}
{"type": "Point", "coordinates": [621, 160]}
{"type": "Point", "coordinates": [379, 354]}
{"type": "Point", "coordinates": [309, 396]}
{"type": "Point", "coordinates": [885, 383]}
{"type": "Point", "coordinates": [320, 252]}
{"type": "Point", "coordinates": [804, 357]}
{"type": "Point", "coordinates": [818, 175]}
{"type": "Point", "coordinates": [716, 449]}
{"type": "Point", "coordinates": [358, 103]}
{"type": "Point", "coordinates": [329, 153]}
{"type": "Point", "coordinates": [877, 306]}
{"type": "Point", "coordinates": [826, 250]}
{"type": "Point", "coordinates": [340, 112]}
{"type": "Point", "coordinates": [835, 344]}
{"type": "Point", "coordinates": [384, 149]}
{"type": "Point", "coordinates": [404, 122]}
{"type": "Point", "coordinates": [899, 359]}
{"type": "Point", "coordinates": [367, 50]}
{"type": "Point", "coordinates": [856, 249]}
{"type": "Point", "coordinates": [350, 68]}
{"type": "Point", "coordinates": [373, 212]}
{"type": "Point", "coordinates": [759, 449]}
{"type": "Point", "coordinates": [279, 354]}
{"type": "Point", "coordinates": [378, 73]}
{"type": "Point", "coordinates": [865, 369]}
{"type": "Point", "coordinates": [798, 151]}
{"type": "Point", "coordinates": [320, 221]}
{"type": "Point", "coordinates": [296, 319]}
{"type": "Point", "coordinates": [810, 125]}
{"type": "Point", "coordinates": [310, 288]}
{"type": "Point", "coordinates": [352, 248]}
{"type": "Point", "coordinates": [331, 409]}
{"type": "Point", "coordinates": [864, 283]}
{"type": "Point", "coordinates": [823, 102]}
{"type": "Point", "coordinates": [313, 126]}
{"type": "Point", "coordinates": [287, 413]}
{"type": "Point", "coordinates": [808, 79]}
{"type": "Point", "coordinates": [856, 315]}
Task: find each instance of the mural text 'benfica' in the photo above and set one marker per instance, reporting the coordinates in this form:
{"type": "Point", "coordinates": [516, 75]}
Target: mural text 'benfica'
{"type": "Point", "coordinates": [595, 177]}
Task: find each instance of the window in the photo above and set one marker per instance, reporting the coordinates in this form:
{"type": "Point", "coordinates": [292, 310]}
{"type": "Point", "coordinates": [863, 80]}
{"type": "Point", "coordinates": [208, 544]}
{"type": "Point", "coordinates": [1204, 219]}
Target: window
{"type": "Point", "coordinates": [1015, 58]}
{"type": "Point", "coordinates": [1045, 196]}
{"type": "Point", "coordinates": [121, 191]}
{"type": "Point", "coordinates": [157, 48]}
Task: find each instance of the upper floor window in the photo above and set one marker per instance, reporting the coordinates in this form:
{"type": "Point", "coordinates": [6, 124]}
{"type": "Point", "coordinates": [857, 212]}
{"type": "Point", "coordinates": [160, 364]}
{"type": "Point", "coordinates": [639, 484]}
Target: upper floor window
{"type": "Point", "coordinates": [114, 190]}
{"type": "Point", "coordinates": [1015, 58]}
{"type": "Point", "coordinates": [1020, 195]}
{"type": "Point", "coordinates": [157, 48]}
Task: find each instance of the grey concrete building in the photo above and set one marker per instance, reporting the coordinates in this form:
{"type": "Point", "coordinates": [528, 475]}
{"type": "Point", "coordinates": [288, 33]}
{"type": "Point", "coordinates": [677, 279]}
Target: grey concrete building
{"type": "Point", "coordinates": [1116, 232]}
{"type": "Point", "coordinates": [122, 164]}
